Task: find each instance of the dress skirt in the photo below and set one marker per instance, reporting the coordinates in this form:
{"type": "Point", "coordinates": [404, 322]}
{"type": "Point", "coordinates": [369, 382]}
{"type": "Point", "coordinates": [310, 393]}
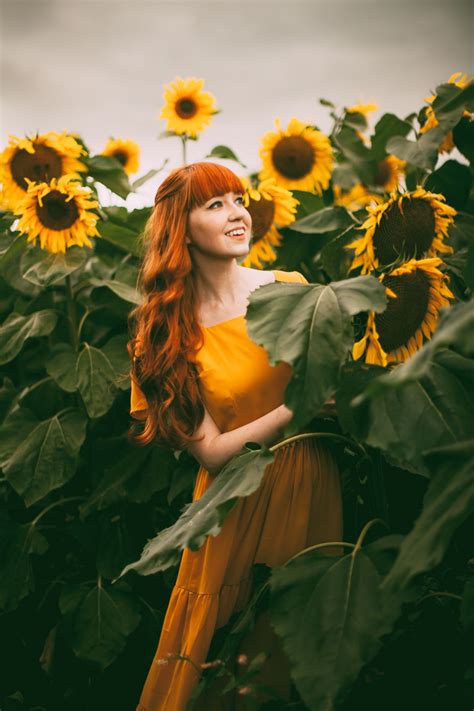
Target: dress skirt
{"type": "Point", "coordinates": [298, 504]}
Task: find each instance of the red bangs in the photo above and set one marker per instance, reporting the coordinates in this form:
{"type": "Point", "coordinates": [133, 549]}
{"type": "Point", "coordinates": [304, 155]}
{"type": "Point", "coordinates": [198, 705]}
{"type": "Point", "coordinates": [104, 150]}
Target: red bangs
{"type": "Point", "coordinates": [209, 180]}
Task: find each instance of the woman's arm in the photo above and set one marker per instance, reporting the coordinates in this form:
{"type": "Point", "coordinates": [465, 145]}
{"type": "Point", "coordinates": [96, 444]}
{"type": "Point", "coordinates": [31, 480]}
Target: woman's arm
{"type": "Point", "coordinates": [217, 448]}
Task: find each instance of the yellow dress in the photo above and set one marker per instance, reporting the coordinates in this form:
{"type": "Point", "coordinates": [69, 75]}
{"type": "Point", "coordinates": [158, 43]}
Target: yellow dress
{"type": "Point", "coordinates": [298, 504]}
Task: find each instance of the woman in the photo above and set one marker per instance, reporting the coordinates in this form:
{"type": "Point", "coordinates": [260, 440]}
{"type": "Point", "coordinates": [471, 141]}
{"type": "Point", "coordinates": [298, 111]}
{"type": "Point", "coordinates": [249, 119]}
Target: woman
{"type": "Point", "coordinates": [201, 383]}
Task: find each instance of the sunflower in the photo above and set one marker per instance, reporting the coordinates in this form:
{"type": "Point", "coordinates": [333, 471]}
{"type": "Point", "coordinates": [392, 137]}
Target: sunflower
{"type": "Point", "coordinates": [188, 109]}
{"type": "Point", "coordinates": [299, 158]}
{"type": "Point", "coordinates": [356, 198]}
{"type": "Point", "coordinates": [447, 144]}
{"type": "Point", "coordinates": [37, 158]}
{"type": "Point", "coordinates": [58, 213]}
{"type": "Point", "coordinates": [125, 151]}
{"type": "Point", "coordinates": [418, 291]}
{"type": "Point", "coordinates": [364, 109]}
{"type": "Point", "coordinates": [411, 225]}
{"type": "Point", "coordinates": [389, 172]}
{"type": "Point", "coordinates": [269, 205]}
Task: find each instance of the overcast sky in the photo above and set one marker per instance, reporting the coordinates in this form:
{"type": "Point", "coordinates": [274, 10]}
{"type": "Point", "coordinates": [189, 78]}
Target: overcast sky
{"type": "Point", "coordinates": [98, 67]}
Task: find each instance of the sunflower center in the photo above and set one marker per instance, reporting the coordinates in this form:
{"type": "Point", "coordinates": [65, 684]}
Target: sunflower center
{"type": "Point", "coordinates": [262, 212]}
{"type": "Point", "coordinates": [56, 213]}
{"type": "Point", "coordinates": [405, 314]}
{"type": "Point", "coordinates": [408, 234]}
{"type": "Point", "coordinates": [293, 157]}
{"type": "Point", "coordinates": [384, 173]}
{"type": "Point", "coordinates": [186, 108]}
{"type": "Point", "coordinates": [121, 156]}
{"type": "Point", "coordinates": [40, 166]}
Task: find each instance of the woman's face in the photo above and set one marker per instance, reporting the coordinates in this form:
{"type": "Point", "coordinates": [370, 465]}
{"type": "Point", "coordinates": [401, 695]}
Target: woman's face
{"type": "Point", "coordinates": [209, 226]}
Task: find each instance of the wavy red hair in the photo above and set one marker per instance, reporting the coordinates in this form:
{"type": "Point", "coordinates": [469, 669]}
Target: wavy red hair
{"type": "Point", "coordinates": [164, 328]}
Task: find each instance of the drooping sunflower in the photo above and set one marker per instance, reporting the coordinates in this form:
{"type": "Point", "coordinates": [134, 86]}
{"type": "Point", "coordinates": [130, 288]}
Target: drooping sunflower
{"type": "Point", "coordinates": [125, 151]}
{"type": "Point", "coordinates": [389, 173]}
{"type": "Point", "coordinates": [417, 291]}
{"type": "Point", "coordinates": [299, 157]}
{"type": "Point", "coordinates": [447, 144]}
{"type": "Point", "coordinates": [364, 109]}
{"type": "Point", "coordinates": [407, 226]}
{"type": "Point", "coordinates": [189, 110]}
{"type": "Point", "coordinates": [39, 159]}
{"type": "Point", "coordinates": [356, 198]}
{"type": "Point", "coordinates": [59, 213]}
{"type": "Point", "coordinates": [270, 206]}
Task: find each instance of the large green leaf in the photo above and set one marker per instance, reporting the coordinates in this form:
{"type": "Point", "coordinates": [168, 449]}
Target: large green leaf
{"type": "Point", "coordinates": [116, 351]}
{"type": "Point", "coordinates": [309, 327]}
{"type": "Point", "coordinates": [135, 475]}
{"type": "Point", "coordinates": [329, 612]}
{"type": "Point", "coordinates": [109, 171]}
{"type": "Point", "coordinates": [453, 180]}
{"type": "Point", "coordinates": [46, 458]}
{"type": "Point", "coordinates": [356, 152]}
{"type": "Point", "coordinates": [61, 366]}
{"type": "Point", "coordinates": [17, 328]}
{"type": "Point", "coordinates": [455, 328]}
{"type": "Point", "coordinates": [386, 127]}
{"type": "Point", "coordinates": [44, 269]}
{"type": "Point", "coordinates": [98, 620]}
{"type": "Point", "coordinates": [448, 501]}
{"type": "Point", "coordinates": [124, 291]}
{"type": "Point", "coordinates": [95, 379]}
{"type": "Point", "coordinates": [326, 220]}
{"type": "Point", "coordinates": [17, 544]}
{"type": "Point", "coordinates": [12, 247]}
{"type": "Point", "coordinates": [204, 517]}
{"type": "Point", "coordinates": [438, 407]}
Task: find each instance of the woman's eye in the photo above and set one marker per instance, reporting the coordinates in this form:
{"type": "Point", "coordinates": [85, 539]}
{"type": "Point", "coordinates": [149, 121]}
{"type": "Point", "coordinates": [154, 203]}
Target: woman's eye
{"type": "Point", "coordinates": [218, 202]}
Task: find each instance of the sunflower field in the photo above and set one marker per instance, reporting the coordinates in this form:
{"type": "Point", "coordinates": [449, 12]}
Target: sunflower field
{"type": "Point", "coordinates": [381, 222]}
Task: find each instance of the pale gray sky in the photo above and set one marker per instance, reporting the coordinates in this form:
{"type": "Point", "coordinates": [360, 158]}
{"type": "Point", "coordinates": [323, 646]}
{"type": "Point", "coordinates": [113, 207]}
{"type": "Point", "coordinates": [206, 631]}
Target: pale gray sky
{"type": "Point", "coordinates": [98, 67]}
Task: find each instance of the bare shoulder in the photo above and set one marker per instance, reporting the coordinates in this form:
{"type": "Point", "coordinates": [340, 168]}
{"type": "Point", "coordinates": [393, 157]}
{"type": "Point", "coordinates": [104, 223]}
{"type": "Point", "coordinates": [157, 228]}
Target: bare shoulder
{"type": "Point", "coordinates": [258, 277]}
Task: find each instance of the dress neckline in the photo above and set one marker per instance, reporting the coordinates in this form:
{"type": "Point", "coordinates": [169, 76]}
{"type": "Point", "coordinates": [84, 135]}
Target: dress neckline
{"type": "Point", "coordinates": [237, 318]}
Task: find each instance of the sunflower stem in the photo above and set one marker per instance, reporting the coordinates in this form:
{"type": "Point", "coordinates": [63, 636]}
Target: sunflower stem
{"type": "Point", "coordinates": [71, 309]}
{"type": "Point", "coordinates": [183, 143]}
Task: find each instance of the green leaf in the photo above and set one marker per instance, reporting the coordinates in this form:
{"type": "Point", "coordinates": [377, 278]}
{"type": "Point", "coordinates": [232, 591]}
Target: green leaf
{"type": "Point", "coordinates": [357, 153]}
{"type": "Point", "coordinates": [240, 477]}
{"type": "Point", "coordinates": [43, 268]}
{"type": "Point", "coordinates": [145, 178]}
{"type": "Point", "coordinates": [448, 501]}
{"type": "Point", "coordinates": [329, 609]}
{"type": "Point", "coordinates": [13, 246]}
{"type": "Point", "coordinates": [441, 400]}
{"type": "Point", "coordinates": [424, 151]}
{"type": "Point", "coordinates": [386, 127]}
{"type": "Point", "coordinates": [116, 351]}
{"type": "Point", "coordinates": [335, 258]}
{"type": "Point", "coordinates": [310, 328]}
{"type": "Point", "coordinates": [61, 366]}
{"type": "Point", "coordinates": [98, 621]}
{"type": "Point", "coordinates": [325, 220]}
{"type": "Point", "coordinates": [18, 542]}
{"type": "Point", "coordinates": [463, 137]}
{"type": "Point", "coordinates": [46, 458]}
{"type": "Point", "coordinates": [109, 171]}
{"type": "Point", "coordinates": [455, 328]}
{"type": "Point", "coordinates": [451, 98]}
{"type": "Point", "coordinates": [224, 152]}
{"type": "Point", "coordinates": [123, 291]}
{"type": "Point", "coordinates": [16, 329]}
{"type": "Point", "coordinates": [95, 378]}
{"type": "Point", "coordinates": [453, 180]}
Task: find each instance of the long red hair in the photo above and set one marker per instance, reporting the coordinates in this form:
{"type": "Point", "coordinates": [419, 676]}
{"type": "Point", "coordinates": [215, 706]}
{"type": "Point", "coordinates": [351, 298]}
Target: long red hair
{"type": "Point", "coordinates": [164, 328]}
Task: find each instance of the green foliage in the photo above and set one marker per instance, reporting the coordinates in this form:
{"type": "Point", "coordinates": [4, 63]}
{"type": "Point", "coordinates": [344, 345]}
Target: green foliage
{"type": "Point", "coordinates": [82, 507]}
